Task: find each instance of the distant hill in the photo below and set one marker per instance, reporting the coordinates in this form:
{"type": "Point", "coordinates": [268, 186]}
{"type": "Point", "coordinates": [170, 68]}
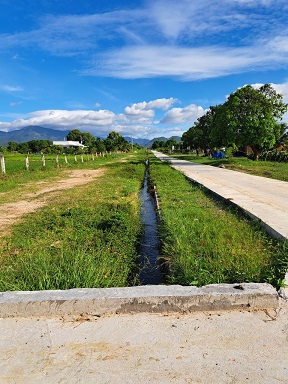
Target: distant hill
{"type": "Point", "coordinates": [177, 138]}
{"type": "Point", "coordinates": [35, 132]}
{"type": "Point", "coordinates": [148, 143]}
{"type": "Point", "coordinates": [31, 132]}
{"type": "Point", "coordinates": [142, 142]}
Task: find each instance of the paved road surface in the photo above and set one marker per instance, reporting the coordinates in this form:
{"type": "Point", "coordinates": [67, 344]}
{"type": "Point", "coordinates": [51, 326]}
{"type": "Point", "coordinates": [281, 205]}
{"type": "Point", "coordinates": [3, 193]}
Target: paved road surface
{"type": "Point", "coordinates": [265, 199]}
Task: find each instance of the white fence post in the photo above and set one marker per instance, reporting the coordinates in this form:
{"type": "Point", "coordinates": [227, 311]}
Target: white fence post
{"type": "Point", "coordinates": [43, 160]}
{"type": "Point", "coordinates": [57, 161]}
{"type": "Point", "coordinates": [2, 161]}
{"type": "Point", "coordinates": [65, 159]}
{"type": "Point", "coordinates": [27, 163]}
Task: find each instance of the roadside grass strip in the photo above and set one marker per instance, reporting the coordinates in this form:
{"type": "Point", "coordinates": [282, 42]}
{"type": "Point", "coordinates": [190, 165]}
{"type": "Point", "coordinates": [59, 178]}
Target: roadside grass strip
{"type": "Point", "coordinates": [88, 237]}
{"type": "Point", "coordinates": [206, 241]}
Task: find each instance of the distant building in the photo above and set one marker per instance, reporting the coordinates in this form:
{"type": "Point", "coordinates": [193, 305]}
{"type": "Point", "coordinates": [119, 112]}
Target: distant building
{"type": "Point", "coordinates": [68, 144]}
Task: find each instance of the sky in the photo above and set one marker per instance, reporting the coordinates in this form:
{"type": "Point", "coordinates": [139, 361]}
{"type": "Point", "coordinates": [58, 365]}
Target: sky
{"type": "Point", "coordinates": [142, 68]}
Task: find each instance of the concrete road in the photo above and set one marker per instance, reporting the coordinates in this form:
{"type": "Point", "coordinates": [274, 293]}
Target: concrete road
{"type": "Point", "coordinates": [262, 198]}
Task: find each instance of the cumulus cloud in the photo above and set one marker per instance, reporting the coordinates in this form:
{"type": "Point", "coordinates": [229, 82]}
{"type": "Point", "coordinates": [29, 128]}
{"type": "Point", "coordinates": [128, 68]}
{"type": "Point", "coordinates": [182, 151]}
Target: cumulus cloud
{"type": "Point", "coordinates": [137, 119]}
{"type": "Point", "coordinates": [63, 119]}
{"type": "Point", "coordinates": [144, 112]}
{"type": "Point", "coordinates": [183, 115]}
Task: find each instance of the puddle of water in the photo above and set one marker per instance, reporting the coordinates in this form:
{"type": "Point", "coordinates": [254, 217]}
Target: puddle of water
{"type": "Point", "coordinates": [149, 249]}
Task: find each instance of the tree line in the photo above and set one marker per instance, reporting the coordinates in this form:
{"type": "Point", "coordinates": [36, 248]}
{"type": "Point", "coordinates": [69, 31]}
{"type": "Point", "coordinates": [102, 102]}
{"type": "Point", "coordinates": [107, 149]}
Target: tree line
{"type": "Point", "coordinates": [249, 118]}
{"type": "Point", "coordinates": [114, 142]}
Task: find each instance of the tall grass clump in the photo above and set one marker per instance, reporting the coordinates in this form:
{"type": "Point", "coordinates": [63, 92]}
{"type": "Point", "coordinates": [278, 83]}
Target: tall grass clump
{"type": "Point", "coordinates": [205, 241]}
{"type": "Point", "coordinates": [87, 238]}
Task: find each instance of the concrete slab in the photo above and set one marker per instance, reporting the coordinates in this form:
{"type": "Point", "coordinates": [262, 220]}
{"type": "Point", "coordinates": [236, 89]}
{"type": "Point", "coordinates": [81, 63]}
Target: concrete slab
{"type": "Point", "coordinates": [205, 347]}
{"type": "Point", "coordinates": [262, 198]}
{"type": "Point", "coordinates": [148, 299]}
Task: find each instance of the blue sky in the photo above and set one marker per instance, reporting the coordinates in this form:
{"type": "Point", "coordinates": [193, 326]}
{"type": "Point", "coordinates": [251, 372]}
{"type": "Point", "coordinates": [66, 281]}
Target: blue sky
{"type": "Point", "coordinates": [143, 68]}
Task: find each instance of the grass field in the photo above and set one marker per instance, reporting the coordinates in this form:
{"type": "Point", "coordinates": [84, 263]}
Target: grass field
{"type": "Point", "coordinates": [88, 236]}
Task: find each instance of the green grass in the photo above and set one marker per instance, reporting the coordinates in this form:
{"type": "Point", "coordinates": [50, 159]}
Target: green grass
{"type": "Point", "coordinates": [18, 180]}
{"type": "Point", "coordinates": [88, 237]}
{"type": "Point", "coordinates": [205, 241]}
{"type": "Point", "coordinates": [270, 169]}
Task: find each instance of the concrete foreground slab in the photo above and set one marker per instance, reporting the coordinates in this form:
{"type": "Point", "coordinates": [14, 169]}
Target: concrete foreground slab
{"type": "Point", "coordinates": [201, 347]}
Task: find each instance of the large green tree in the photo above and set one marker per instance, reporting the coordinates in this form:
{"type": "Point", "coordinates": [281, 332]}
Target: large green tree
{"type": "Point", "coordinates": [199, 135]}
{"type": "Point", "coordinates": [115, 141]}
{"type": "Point", "coordinates": [250, 117]}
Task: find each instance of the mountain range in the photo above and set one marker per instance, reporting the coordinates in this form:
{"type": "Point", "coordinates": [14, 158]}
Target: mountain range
{"type": "Point", "coordinates": [35, 132]}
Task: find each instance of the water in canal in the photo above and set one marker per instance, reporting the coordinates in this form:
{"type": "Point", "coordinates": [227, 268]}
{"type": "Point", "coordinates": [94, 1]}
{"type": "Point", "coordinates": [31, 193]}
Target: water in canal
{"type": "Point", "coordinates": [149, 249]}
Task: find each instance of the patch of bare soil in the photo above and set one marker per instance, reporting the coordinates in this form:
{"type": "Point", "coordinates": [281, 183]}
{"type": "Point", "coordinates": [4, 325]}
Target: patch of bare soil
{"type": "Point", "coordinates": [30, 202]}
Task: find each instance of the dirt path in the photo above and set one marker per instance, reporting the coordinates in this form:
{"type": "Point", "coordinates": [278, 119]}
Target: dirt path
{"type": "Point", "coordinates": [30, 202]}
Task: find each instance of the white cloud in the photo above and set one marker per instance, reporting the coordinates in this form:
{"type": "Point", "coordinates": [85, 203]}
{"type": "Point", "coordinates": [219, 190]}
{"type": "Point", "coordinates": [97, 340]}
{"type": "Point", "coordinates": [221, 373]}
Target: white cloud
{"type": "Point", "coordinates": [11, 88]}
{"type": "Point", "coordinates": [184, 63]}
{"type": "Point", "coordinates": [15, 103]}
{"type": "Point", "coordinates": [163, 104]}
{"type": "Point", "coordinates": [137, 121]}
{"type": "Point", "coordinates": [62, 119]}
{"type": "Point", "coordinates": [144, 107]}
{"type": "Point", "coordinates": [144, 112]}
{"type": "Point", "coordinates": [188, 114]}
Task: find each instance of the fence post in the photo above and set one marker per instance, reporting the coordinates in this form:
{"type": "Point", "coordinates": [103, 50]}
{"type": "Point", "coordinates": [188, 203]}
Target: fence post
{"type": "Point", "coordinates": [92, 157]}
{"type": "Point", "coordinates": [82, 159]}
{"type": "Point", "coordinates": [43, 160]}
{"type": "Point", "coordinates": [57, 161]}
{"type": "Point", "coordinates": [27, 163]}
{"type": "Point", "coordinates": [65, 159]}
{"type": "Point", "coordinates": [75, 158]}
{"type": "Point", "coordinates": [2, 161]}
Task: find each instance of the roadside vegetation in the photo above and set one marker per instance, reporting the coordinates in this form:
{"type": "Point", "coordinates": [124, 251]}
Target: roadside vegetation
{"type": "Point", "coordinates": [205, 241]}
{"type": "Point", "coordinates": [88, 236]}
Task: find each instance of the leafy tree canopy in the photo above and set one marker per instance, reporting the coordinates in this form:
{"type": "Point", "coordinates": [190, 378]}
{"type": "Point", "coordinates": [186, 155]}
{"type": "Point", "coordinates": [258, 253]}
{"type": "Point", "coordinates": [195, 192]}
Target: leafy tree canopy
{"type": "Point", "coordinates": [115, 141]}
{"type": "Point", "coordinates": [249, 117]}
